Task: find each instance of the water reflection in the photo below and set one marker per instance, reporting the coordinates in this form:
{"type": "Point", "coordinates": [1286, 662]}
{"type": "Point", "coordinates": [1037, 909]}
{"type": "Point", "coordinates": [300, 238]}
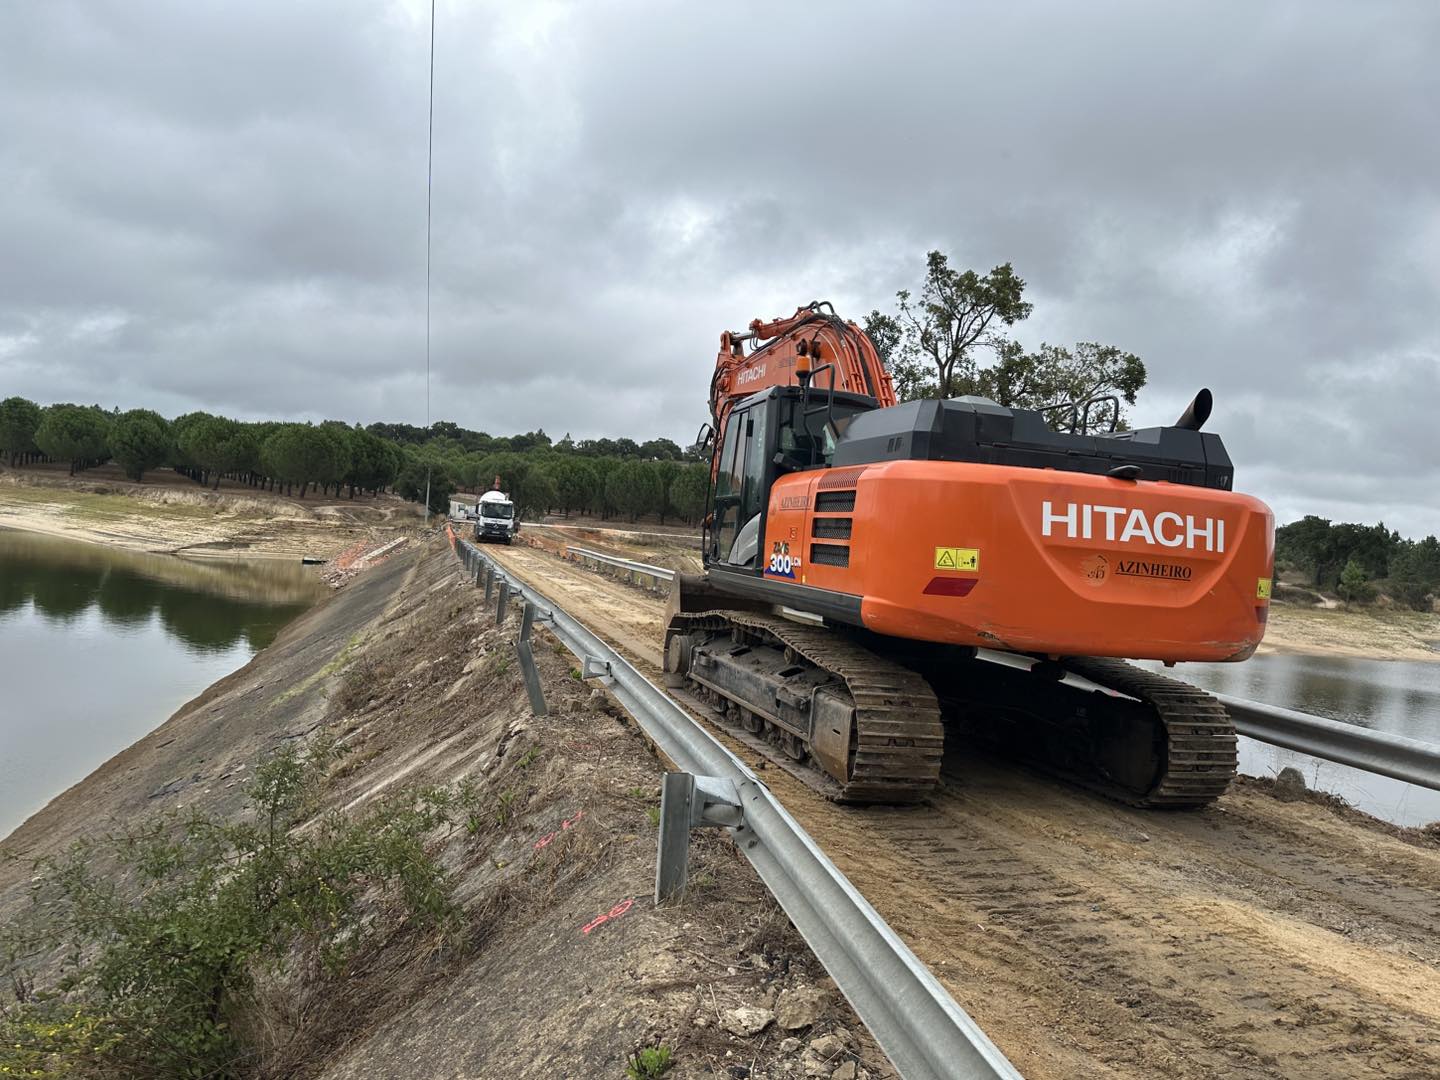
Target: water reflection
{"type": "Point", "coordinates": [98, 647]}
{"type": "Point", "coordinates": [210, 607]}
{"type": "Point", "coordinates": [1398, 696]}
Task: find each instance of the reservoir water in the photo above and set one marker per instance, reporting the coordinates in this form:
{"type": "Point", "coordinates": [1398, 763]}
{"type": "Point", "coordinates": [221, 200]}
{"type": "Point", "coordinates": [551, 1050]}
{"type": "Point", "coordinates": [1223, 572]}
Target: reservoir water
{"type": "Point", "coordinates": [99, 646]}
{"type": "Point", "coordinates": [1398, 696]}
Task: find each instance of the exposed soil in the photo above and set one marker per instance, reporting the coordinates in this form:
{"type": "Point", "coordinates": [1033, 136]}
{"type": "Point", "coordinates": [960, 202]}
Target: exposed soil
{"type": "Point", "coordinates": [1259, 938]}
{"type": "Point", "coordinates": [625, 616]}
{"type": "Point", "coordinates": [1371, 633]}
{"type": "Point", "coordinates": [674, 550]}
{"type": "Point", "coordinates": [170, 514]}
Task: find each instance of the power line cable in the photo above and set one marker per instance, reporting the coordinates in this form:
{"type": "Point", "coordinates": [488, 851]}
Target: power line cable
{"type": "Point", "coordinates": [429, 189]}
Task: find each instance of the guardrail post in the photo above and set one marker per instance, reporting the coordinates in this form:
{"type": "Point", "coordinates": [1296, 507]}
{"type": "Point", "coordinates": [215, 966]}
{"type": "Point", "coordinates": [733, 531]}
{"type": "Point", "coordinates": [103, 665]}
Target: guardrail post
{"type": "Point", "coordinates": [689, 802]}
{"type": "Point", "coordinates": [489, 580]}
{"type": "Point", "coordinates": [527, 662]}
{"type": "Point", "coordinates": [502, 598]}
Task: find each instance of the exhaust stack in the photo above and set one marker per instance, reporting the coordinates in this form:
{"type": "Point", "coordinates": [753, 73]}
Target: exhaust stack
{"type": "Point", "coordinates": [1194, 417]}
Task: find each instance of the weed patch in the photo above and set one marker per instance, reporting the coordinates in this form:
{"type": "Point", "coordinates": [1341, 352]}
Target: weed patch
{"type": "Point", "coordinates": [649, 1063]}
{"type": "Point", "coordinates": [164, 973]}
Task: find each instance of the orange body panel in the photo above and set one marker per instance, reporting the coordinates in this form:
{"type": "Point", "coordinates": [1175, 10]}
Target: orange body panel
{"type": "Point", "coordinates": [1063, 563]}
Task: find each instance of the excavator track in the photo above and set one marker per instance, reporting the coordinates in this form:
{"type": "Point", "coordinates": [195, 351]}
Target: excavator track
{"type": "Point", "coordinates": [1200, 746]}
{"type": "Point", "coordinates": [1151, 741]}
{"type": "Point", "coordinates": [898, 739]}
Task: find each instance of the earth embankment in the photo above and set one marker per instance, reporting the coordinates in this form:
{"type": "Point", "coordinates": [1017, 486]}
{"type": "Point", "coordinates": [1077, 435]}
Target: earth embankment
{"type": "Point", "coordinates": [563, 966]}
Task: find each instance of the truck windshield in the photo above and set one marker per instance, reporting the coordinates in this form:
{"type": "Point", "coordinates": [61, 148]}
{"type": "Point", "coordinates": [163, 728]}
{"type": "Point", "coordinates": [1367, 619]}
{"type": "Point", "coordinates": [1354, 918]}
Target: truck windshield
{"type": "Point", "coordinates": [497, 510]}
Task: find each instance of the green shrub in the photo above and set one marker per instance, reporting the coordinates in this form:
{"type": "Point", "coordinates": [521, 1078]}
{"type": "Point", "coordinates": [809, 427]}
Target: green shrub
{"type": "Point", "coordinates": [162, 969]}
{"type": "Point", "coordinates": [649, 1063]}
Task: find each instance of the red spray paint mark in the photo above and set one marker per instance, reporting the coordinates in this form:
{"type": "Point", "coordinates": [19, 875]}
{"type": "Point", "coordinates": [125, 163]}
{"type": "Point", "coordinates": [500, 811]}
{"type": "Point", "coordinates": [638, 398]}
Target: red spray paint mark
{"type": "Point", "coordinates": [614, 913]}
{"type": "Point", "coordinates": [549, 838]}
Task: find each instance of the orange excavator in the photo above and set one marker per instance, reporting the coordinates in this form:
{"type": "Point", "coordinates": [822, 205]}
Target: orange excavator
{"type": "Point", "coordinates": [882, 576]}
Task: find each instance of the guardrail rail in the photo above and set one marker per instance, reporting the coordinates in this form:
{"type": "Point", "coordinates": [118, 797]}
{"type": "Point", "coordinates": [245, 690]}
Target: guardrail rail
{"type": "Point", "coordinates": [1379, 752]}
{"type": "Point", "coordinates": [657, 574]}
{"type": "Point", "coordinates": [913, 1018]}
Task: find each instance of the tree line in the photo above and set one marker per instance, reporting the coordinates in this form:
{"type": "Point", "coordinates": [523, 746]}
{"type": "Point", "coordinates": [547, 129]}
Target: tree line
{"type": "Point", "coordinates": [606, 477]}
{"type": "Point", "coordinates": [1357, 562]}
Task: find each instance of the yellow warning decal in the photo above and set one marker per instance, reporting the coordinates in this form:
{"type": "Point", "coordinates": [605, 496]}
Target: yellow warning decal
{"type": "Point", "coordinates": [1262, 589]}
{"type": "Point", "coordinates": [948, 558]}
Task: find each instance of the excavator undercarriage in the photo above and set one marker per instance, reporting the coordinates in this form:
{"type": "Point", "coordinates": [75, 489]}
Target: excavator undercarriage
{"type": "Point", "coordinates": [863, 719]}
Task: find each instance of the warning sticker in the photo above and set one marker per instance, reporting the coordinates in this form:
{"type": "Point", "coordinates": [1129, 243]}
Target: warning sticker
{"type": "Point", "coordinates": [948, 558]}
{"type": "Point", "coordinates": [1262, 589]}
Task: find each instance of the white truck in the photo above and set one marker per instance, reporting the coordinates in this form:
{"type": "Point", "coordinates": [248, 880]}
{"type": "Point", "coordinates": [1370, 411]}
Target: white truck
{"type": "Point", "coordinates": [495, 518]}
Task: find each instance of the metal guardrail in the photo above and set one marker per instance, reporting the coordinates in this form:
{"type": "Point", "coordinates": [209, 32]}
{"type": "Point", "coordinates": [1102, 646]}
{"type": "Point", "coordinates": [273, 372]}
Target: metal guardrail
{"type": "Point", "coordinates": [658, 573]}
{"type": "Point", "coordinates": [913, 1018]}
{"type": "Point", "coordinates": [1395, 756]}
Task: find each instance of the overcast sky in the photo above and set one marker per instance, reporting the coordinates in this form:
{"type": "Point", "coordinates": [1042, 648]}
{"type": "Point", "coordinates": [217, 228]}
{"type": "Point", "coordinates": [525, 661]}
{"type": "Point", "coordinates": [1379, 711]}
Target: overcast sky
{"type": "Point", "coordinates": [222, 206]}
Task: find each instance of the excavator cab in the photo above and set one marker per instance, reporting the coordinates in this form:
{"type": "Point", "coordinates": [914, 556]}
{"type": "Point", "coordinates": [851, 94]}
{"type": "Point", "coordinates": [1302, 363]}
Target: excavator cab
{"type": "Point", "coordinates": [782, 430]}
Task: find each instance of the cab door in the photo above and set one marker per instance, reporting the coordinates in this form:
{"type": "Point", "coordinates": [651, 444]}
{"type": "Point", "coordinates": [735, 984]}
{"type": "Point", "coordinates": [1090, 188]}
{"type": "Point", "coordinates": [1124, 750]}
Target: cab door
{"type": "Point", "coordinates": [742, 486]}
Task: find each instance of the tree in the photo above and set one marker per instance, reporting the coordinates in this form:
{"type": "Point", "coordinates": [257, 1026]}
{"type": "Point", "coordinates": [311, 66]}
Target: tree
{"type": "Point", "coordinates": [218, 445]}
{"type": "Point", "coordinates": [574, 480]}
{"type": "Point", "coordinates": [1415, 574]}
{"type": "Point", "coordinates": [1354, 586]}
{"type": "Point", "coordinates": [333, 467]}
{"type": "Point", "coordinates": [931, 349]}
{"type": "Point", "coordinates": [886, 334]}
{"type": "Point", "coordinates": [374, 462]}
{"type": "Point", "coordinates": [139, 440]}
{"type": "Point", "coordinates": [634, 488]}
{"type": "Point", "coordinates": [956, 313]}
{"type": "Point", "coordinates": [537, 494]}
{"type": "Point", "coordinates": [1054, 375]}
{"type": "Point", "coordinates": [420, 470]}
{"type": "Point", "coordinates": [665, 473]}
{"type": "Point", "coordinates": [77, 434]}
{"type": "Point", "coordinates": [19, 418]}
{"type": "Point", "coordinates": [304, 454]}
{"type": "Point", "coordinates": [509, 467]}
{"type": "Point", "coordinates": [688, 491]}
{"type": "Point", "coordinates": [660, 450]}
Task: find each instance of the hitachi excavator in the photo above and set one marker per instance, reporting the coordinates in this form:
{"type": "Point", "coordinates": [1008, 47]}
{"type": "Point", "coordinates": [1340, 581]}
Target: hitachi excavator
{"type": "Point", "coordinates": [880, 577]}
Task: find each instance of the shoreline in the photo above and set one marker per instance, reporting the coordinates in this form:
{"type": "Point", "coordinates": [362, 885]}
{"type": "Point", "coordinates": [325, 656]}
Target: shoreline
{"type": "Point", "coordinates": [202, 525]}
{"type": "Point", "coordinates": [192, 522]}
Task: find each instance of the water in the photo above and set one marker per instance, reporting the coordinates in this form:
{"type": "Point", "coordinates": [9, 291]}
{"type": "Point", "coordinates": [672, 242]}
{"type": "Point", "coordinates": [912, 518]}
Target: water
{"type": "Point", "coordinates": [1401, 697]}
{"type": "Point", "coordinates": [98, 647]}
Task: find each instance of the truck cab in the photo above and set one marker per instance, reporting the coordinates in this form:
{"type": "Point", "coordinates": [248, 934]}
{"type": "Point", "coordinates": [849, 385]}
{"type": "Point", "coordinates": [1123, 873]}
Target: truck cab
{"type": "Point", "coordinates": [495, 518]}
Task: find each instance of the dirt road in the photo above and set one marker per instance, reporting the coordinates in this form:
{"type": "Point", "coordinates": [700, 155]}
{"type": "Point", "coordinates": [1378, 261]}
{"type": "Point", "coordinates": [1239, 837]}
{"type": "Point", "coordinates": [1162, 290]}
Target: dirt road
{"type": "Point", "coordinates": [1256, 939]}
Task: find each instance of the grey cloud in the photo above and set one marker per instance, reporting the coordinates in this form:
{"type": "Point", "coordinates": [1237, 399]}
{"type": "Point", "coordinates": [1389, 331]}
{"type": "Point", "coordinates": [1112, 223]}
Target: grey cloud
{"type": "Point", "coordinates": [224, 207]}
